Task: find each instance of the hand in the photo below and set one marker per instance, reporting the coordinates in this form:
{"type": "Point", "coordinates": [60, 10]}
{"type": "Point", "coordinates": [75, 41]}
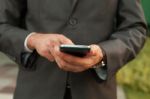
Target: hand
{"type": "Point", "coordinates": [42, 43]}
{"type": "Point", "coordinates": [78, 64]}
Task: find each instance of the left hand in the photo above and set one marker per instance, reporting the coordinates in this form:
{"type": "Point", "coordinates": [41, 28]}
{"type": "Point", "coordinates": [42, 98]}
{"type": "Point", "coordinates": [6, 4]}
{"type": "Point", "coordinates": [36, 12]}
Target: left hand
{"type": "Point", "coordinates": [72, 63]}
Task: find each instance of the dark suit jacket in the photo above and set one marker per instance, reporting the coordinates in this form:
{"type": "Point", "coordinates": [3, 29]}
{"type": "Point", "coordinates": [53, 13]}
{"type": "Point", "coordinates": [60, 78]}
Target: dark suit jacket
{"type": "Point", "coordinates": [118, 26]}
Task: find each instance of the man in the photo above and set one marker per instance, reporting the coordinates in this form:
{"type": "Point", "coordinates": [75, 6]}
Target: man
{"type": "Point", "coordinates": [31, 32]}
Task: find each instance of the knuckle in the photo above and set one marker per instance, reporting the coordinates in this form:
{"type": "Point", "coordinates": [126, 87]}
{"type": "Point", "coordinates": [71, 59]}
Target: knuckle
{"type": "Point", "coordinates": [44, 52]}
{"type": "Point", "coordinates": [50, 57]}
{"type": "Point", "coordinates": [62, 36]}
{"type": "Point", "coordinates": [48, 44]}
{"type": "Point", "coordinates": [88, 64]}
{"type": "Point", "coordinates": [51, 43]}
{"type": "Point", "coordinates": [58, 54]}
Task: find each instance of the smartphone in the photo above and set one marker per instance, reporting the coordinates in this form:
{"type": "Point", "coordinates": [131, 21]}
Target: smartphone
{"type": "Point", "coordinates": [76, 50]}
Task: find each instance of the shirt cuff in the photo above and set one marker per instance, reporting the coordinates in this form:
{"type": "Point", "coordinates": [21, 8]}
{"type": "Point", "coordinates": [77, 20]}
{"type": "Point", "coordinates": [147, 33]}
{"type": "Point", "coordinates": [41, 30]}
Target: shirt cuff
{"type": "Point", "coordinates": [101, 72]}
{"type": "Point", "coordinates": [27, 49]}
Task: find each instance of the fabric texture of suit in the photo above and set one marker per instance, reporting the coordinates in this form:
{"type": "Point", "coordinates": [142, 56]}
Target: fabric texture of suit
{"type": "Point", "coordinates": [118, 26]}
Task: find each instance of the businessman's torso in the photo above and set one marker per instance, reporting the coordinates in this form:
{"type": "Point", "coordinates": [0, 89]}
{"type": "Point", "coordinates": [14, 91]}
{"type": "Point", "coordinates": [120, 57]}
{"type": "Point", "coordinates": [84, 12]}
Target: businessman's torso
{"type": "Point", "coordinates": [84, 22]}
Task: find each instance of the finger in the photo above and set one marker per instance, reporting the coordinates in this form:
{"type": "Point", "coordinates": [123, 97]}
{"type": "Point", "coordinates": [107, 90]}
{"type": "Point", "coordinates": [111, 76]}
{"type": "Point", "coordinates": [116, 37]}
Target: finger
{"type": "Point", "coordinates": [54, 50]}
{"type": "Point", "coordinates": [79, 61]}
{"type": "Point", "coordinates": [49, 56]}
{"type": "Point", "coordinates": [93, 51]}
{"type": "Point", "coordinates": [68, 67]}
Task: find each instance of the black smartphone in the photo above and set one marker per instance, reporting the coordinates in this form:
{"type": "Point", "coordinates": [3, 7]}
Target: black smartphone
{"type": "Point", "coordinates": [76, 50]}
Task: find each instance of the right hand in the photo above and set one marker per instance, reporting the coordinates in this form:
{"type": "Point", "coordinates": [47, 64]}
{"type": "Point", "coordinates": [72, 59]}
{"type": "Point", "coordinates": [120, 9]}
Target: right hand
{"type": "Point", "coordinates": [43, 42]}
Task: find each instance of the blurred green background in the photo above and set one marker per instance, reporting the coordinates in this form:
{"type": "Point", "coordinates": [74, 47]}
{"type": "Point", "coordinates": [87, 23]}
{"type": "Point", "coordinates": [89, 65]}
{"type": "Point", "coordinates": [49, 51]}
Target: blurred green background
{"type": "Point", "coordinates": [146, 7]}
{"type": "Point", "coordinates": [135, 76]}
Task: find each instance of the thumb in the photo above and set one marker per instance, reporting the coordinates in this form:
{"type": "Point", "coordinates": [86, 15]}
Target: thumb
{"type": "Point", "coordinates": [94, 50]}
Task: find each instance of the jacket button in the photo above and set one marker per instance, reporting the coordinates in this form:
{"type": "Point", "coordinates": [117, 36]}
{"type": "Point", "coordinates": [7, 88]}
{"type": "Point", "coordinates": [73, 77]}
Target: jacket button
{"type": "Point", "coordinates": [73, 21]}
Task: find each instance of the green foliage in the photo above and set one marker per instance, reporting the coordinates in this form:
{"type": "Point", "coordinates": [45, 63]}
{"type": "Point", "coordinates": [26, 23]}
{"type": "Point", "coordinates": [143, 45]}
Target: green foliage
{"type": "Point", "coordinates": [136, 74]}
{"type": "Point", "coordinates": [134, 94]}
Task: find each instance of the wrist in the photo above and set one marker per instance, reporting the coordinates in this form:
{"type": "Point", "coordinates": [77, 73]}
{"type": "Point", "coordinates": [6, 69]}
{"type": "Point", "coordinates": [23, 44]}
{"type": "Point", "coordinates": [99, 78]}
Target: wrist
{"type": "Point", "coordinates": [102, 59]}
{"type": "Point", "coordinates": [31, 41]}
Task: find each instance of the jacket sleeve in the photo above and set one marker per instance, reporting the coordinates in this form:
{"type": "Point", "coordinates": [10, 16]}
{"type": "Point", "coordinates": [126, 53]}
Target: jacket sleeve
{"type": "Point", "coordinates": [128, 39]}
{"type": "Point", "coordinates": [12, 31]}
